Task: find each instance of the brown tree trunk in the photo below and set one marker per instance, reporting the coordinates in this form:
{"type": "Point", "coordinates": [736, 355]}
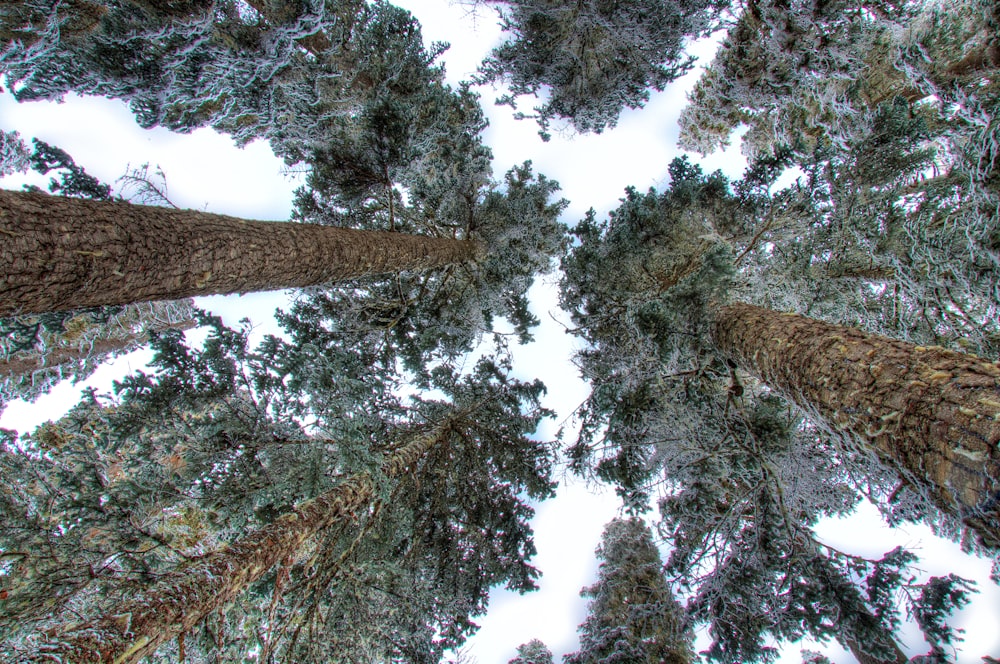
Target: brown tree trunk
{"type": "Point", "coordinates": [98, 348]}
{"type": "Point", "coordinates": [171, 607]}
{"type": "Point", "coordinates": [66, 253]}
{"type": "Point", "coordinates": [932, 412]}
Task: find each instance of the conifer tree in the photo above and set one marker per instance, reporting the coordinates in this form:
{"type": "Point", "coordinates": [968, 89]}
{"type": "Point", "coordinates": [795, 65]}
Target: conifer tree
{"type": "Point", "coordinates": [532, 652]}
{"type": "Point", "coordinates": [865, 238]}
{"type": "Point", "coordinates": [223, 427]}
{"type": "Point", "coordinates": [37, 351]}
{"type": "Point", "coordinates": [633, 617]}
{"type": "Point", "coordinates": [282, 71]}
{"type": "Point", "coordinates": [594, 58]}
{"type": "Point", "coordinates": [890, 112]}
{"type": "Point", "coordinates": [175, 605]}
{"type": "Point", "coordinates": [436, 155]}
{"type": "Point", "coordinates": [810, 75]}
{"type": "Point", "coordinates": [645, 289]}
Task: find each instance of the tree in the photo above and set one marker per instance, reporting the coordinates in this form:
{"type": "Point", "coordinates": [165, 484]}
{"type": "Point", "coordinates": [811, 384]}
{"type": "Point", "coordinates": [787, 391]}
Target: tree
{"type": "Point", "coordinates": [283, 71]}
{"type": "Point", "coordinates": [900, 233]}
{"type": "Point", "coordinates": [810, 75]}
{"type": "Point", "coordinates": [131, 253]}
{"type": "Point", "coordinates": [39, 351]}
{"type": "Point", "coordinates": [739, 511]}
{"type": "Point", "coordinates": [928, 410]}
{"type": "Point", "coordinates": [532, 652]}
{"type": "Point", "coordinates": [633, 617]}
{"type": "Point", "coordinates": [673, 252]}
{"type": "Point", "coordinates": [177, 604]}
{"type": "Point", "coordinates": [225, 429]}
{"type": "Point", "coordinates": [456, 528]}
{"type": "Point", "coordinates": [737, 470]}
{"type": "Point", "coordinates": [434, 152]}
{"type": "Point", "coordinates": [785, 70]}
{"type": "Point", "coordinates": [596, 58]}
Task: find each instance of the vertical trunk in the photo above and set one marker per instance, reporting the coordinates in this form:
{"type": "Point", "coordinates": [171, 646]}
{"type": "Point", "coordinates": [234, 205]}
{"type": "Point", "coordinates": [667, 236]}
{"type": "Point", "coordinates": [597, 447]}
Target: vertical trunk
{"type": "Point", "coordinates": [136, 628]}
{"type": "Point", "coordinates": [65, 253]}
{"type": "Point", "coordinates": [934, 413]}
{"type": "Point", "coordinates": [88, 350]}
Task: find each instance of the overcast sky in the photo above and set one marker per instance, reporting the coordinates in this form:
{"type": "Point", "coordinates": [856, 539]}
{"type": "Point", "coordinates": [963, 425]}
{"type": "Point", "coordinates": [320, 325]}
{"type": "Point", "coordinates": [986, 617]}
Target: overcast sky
{"type": "Point", "coordinates": [204, 171]}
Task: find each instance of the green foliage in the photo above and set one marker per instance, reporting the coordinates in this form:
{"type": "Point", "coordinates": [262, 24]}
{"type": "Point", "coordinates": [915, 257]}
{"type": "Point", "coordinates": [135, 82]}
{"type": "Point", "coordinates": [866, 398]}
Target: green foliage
{"type": "Point", "coordinates": [39, 351]}
{"type": "Point", "coordinates": [741, 477]}
{"type": "Point", "coordinates": [221, 64]}
{"type": "Point", "coordinates": [223, 439]}
{"type": "Point", "coordinates": [14, 154]}
{"type": "Point", "coordinates": [594, 58]}
{"type": "Point", "coordinates": [640, 288]}
{"type": "Point", "coordinates": [632, 615]}
{"type": "Point", "coordinates": [532, 652]}
{"type": "Point", "coordinates": [890, 112]}
{"type": "Point", "coordinates": [433, 153]}
{"type": "Point", "coordinates": [863, 239]}
{"type": "Point", "coordinates": [73, 181]}
{"type": "Point", "coordinates": [939, 597]}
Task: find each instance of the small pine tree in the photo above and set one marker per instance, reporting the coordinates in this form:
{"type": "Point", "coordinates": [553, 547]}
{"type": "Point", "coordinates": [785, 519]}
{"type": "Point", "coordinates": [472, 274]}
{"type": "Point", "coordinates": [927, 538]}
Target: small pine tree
{"type": "Point", "coordinates": [532, 652]}
{"type": "Point", "coordinates": [633, 617]}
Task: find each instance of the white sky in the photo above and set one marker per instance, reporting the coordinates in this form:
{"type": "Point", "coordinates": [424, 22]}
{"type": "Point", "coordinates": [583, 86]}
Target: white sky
{"type": "Point", "coordinates": [205, 171]}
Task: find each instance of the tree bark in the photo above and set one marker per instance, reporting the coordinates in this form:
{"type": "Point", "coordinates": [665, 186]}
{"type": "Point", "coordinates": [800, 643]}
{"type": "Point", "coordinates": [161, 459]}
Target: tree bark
{"type": "Point", "coordinates": [65, 253]}
{"type": "Point", "coordinates": [932, 412]}
{"type": "Point", "coordinates": [174, 605]}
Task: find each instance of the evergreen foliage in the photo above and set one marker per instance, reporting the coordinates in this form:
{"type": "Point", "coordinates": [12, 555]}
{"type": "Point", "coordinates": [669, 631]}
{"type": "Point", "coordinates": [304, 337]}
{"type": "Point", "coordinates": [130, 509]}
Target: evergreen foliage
{"type": "Point", "coordinates": [887, 110]}
{"type": "Point", "coordinates": [14, 154]}
{"type": "Point", "coordinates": [741, 476]}
{"type": "Point", "coordinates": [593, 58]}
{"type": "Point", "coordinates": [890, 112]}
{"type": "Point", "coordinates": [632, 615]}
{"type": "Point", "coordinates": [220, 64]}
{"type": "Point", "coordinates": [532, 652]}
{"type": "Point", "coordinates": [73, 180]}
{"type": "Point", "coordinates": [213, 444]}
{"type": "Point", "coordinates": [424, 169]}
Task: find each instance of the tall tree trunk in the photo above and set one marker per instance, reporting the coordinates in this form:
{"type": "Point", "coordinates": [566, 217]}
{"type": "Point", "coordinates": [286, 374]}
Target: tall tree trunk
{"type": "Point", "coordinates": [933, 412]}
{"type": "Point", "coordinates": [61, 253]}
{"type": "Point", "coordinates": [136, 628]}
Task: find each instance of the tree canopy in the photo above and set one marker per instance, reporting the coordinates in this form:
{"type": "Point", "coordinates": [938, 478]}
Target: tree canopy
{"type": "Point", "coordinates": [393, 399]}
{"type": "Point", "coordinates": [595, 58]}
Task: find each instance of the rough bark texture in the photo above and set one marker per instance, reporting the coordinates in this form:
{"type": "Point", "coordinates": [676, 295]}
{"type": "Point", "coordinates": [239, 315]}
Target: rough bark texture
{"type": "Point", "coordinates": [932, 412]}
{"type": "Point", "coordinates": [65, 253]}
{"type": "Point", "coordinates": [174, 605]}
